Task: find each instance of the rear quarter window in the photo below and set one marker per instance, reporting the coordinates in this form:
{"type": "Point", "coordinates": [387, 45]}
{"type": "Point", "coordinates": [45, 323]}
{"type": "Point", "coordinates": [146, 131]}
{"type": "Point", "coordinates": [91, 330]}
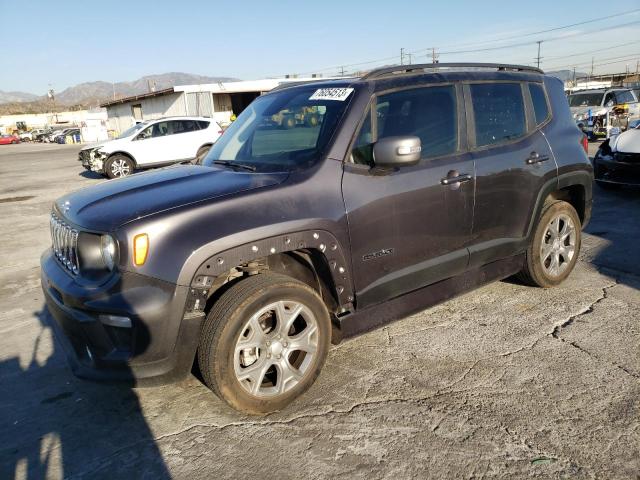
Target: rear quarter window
{"type": "Point", "coordinates": [498, 110]}
{"type": "Point", "coordinates": [539, 100]}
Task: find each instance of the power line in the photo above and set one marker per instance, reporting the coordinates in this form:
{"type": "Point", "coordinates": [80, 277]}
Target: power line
{"type": "Point", "coordinates": [619, 59]}
{"type": "Point", "coordinates": [592, 51]}
{"type": "Point", "coordinates": [485, 49]}
{"type": "Point", "coordinates": [554, 29]}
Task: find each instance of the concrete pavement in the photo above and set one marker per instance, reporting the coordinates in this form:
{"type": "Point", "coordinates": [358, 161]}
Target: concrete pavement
{"type": "Point", "coordinates": [507, 381]}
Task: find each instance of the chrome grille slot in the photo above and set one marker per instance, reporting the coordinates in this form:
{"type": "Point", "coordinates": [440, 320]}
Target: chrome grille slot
{"type": "Point", "coordinates": [65, 244]}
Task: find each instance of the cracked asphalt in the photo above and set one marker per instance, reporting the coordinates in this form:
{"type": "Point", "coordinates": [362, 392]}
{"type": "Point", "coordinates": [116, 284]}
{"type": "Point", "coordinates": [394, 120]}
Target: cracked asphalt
{"type": "Point", "coordinates": [505, 382]}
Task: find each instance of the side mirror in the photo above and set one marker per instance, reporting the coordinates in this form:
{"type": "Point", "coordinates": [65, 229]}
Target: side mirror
{"type": "Point", "coordinates": [397, 151]}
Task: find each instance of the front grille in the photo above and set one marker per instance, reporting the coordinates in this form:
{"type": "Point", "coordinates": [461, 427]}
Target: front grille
{"type": "Point", "coordinates": [65, 244]}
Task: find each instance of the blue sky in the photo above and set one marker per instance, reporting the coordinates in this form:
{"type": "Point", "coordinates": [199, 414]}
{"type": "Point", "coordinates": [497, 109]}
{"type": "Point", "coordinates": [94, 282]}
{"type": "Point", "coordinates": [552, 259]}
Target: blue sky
{"type": "Point", "coordinates": [68, 42]}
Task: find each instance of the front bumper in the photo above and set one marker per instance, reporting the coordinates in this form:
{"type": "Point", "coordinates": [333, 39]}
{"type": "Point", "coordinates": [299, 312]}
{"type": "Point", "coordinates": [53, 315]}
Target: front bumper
{"type": "Point", "coordinates": [92, 160]}
{"type": "Point", "coordinates": [620, 169]}
{"type": "Point", "coordinates": [158, 348]}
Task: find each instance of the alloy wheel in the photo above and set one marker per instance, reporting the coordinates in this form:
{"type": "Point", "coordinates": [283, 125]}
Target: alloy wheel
{"type": "Point", "coordinates": [120, 168]}
{"type": "Point", "coordinates": [275, 349]}
{"type": "Point", "coordinates": [558, 245]}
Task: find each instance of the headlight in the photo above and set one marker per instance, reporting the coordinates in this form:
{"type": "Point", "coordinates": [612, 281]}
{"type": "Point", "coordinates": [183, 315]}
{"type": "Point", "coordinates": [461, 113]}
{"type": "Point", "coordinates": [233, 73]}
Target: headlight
{"type": "Point", "coordinates": [108, 250]}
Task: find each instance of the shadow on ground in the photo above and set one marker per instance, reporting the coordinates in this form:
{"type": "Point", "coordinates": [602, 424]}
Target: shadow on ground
{"type": "Point", "coordinates": [616, 220]}
{"type": "Point", "coordinates": [78, 428]}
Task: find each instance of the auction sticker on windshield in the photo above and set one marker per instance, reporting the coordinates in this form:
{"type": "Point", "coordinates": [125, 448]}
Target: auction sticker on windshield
{"type": "Point", "coordinates": [340, 94]}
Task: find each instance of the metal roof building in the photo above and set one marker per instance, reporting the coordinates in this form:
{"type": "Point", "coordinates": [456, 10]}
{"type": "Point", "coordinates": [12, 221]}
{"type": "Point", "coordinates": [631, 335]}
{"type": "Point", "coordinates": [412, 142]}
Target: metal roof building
{"type": "Point", "coordinates": [216, 100]}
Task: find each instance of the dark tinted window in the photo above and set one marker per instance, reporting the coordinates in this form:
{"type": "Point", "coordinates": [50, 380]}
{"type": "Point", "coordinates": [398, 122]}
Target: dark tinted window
{"type": "Point", "coordinates": [610, 98]}
{"type": "Point", "coordinates": [203, 124]}
{"type": "Point", "coordinates": [625, 96]}
{"type": "Point", "coordinates": [539, 101]}
{"type": "Point", "coordinates": [428, 113]}
{"type": "Point", "coordinates": [363, 147]}
{"type": "Point", "coordinates": [183, 126]}
{"type": "Point", "coordinates": [498, 111]}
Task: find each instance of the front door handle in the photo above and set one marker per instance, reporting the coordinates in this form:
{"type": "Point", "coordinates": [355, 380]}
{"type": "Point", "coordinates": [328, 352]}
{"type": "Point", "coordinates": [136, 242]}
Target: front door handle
{"type": "Point", "coordinates": [454, 178]}
{"type": "Point", "coordinates": [535, 157]}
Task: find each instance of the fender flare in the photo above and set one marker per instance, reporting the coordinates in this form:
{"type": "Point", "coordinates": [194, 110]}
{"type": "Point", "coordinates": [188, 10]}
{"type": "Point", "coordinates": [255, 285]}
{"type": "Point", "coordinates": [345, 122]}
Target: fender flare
{"type": "Point", "coordinates": [583, 178]}
{"type": "Point", "coordinates": [319, 240]}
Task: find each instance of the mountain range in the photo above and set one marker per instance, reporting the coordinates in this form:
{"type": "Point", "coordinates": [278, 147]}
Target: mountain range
{"type": "Point", "coordinates": [94, 92]}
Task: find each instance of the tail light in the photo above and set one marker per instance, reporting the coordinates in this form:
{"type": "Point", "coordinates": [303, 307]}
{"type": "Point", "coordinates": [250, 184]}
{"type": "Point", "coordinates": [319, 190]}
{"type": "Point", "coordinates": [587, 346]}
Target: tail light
{"type": "Point", "coordinates": [585, 144]}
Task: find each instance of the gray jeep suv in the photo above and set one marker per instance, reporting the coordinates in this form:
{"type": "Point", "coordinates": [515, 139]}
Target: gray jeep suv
{"type": "Point", "coordinates": [413, 184]}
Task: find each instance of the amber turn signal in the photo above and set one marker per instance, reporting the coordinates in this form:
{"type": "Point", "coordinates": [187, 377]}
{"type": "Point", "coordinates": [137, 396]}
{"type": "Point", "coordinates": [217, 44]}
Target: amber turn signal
{"type": "Point", "coordinates": [140, 249]}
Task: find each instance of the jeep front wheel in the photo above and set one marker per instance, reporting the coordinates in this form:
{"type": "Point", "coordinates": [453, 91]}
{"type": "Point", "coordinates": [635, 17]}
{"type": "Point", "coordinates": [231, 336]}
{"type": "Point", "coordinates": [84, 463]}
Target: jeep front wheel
{"type": "Point", "coordinates": [553, 251]}
{"type": "Point", "coordinates": [264, 343]}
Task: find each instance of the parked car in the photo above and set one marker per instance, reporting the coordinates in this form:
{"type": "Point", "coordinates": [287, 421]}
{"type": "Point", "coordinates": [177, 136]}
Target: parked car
{"type": "Point", "coordinates": [41, 134]}
{"type": "Point", "coordinates": [51, 138]}
{"type": "Point", "coordinates": [590, 109]}
{"type": "Point", "coordinates": [617, 161]}
{"type": "Point", "coordinates": [153, 143]}
{"type": "Point", "coordinates": [62, 138]}
{"type": "Point", "coordinates": [31, 135]}
{"type": "Point", "coordinates": [417, 183]}
{"type": "Point", "coordinates": [7, 139]}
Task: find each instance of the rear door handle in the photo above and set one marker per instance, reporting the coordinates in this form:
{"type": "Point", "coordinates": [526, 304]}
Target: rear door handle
{"type": "Point", "coordinates": [535, 157]}
{"type": "Point", "coordinates": [463, 177]}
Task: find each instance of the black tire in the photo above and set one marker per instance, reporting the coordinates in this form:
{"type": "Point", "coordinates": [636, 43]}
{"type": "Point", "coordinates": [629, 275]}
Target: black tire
{"type": "Point", "coordinates": [288, 122]}
{"type": "Point", "coordinates": [227, 321]}
{"type": "Point", "coordinates": [118, 166]}
{"type": "Point", "coordinates": [534, 273]}
{"type": "Point", "coordinates": [202, 152]}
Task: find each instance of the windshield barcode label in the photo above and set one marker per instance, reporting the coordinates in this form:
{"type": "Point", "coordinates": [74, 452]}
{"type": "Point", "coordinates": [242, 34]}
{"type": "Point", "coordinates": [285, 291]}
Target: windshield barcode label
{"type": "Point", "coordinates": [340, 94]}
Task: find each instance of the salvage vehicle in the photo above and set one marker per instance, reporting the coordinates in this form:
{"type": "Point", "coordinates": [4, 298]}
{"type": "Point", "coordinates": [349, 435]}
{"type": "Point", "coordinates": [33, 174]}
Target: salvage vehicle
{"type": "Point", "coordinates": [51, 138]}
{"type": "Point", "coordinates": [70, 132]}
{"type": "Point", "coordinates": [421, 182]}
{"type": "Point", "coordinates": [595, 110]}
{"type": "Point", "coordinates": [154, 143]}
{"type": "Point", "coordinates": [7, 139]}
{"type": "Point", "coordinates": [617, 161]}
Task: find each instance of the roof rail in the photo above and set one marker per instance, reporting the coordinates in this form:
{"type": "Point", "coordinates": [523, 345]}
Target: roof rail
{"type": "Point", "coordinates": [381, 72]}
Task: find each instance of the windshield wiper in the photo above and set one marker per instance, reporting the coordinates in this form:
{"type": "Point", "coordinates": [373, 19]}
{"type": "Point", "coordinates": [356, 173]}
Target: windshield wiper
{"type": "Point", "coordinates": [241, 166]}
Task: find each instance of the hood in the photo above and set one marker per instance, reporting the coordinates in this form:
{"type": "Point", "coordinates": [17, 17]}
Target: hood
{"type": "Point", "coordinates": [113, 203]}
{"type": "Point", "coordinates": [627, 142]}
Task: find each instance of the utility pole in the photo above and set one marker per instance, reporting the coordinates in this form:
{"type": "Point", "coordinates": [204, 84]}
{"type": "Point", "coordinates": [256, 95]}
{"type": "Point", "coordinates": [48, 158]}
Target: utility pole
{"type": "Point", "coordinates": [538, 58]}
{"type": "Point", "coordinates": [592, 61]}
{"type": "Point", "coordinates": [402, 56]}
{"type": "Point", "coordinates": [342, 71]}
{"type": "Point", "coordinates": [434, 56]}
{"type": "Point", "coordinates": [574, 77]}
{"type": "Point", "coordinates": [410, 58]}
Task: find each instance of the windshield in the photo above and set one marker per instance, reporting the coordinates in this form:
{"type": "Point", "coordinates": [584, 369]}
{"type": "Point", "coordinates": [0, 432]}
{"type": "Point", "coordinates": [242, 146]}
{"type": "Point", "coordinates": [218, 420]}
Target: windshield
{"type": "Point", "coordinates": [286, 130]}
{"type": "Point", "coordinates": [585, 100]}
{"type": "Point", "coordinates": [132, 130]}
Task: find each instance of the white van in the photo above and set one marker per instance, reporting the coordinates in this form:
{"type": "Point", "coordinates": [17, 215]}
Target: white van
{"type": "Point", "coordinates": [152, 143]}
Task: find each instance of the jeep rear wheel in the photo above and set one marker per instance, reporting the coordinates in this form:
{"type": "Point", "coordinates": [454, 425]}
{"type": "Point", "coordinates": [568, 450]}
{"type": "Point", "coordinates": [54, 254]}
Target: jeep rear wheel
{"type": "Point", "coordinates": [553, 252]}
{"type": "Point", "coordinates": [119, 166]}
{"type": "Point", "coordinates": [264, 343]}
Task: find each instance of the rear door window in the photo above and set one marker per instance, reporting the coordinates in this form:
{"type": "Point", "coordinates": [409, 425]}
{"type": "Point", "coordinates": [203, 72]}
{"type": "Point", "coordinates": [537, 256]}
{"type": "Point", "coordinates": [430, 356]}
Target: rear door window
{"type": "Point", "coordinates": [539, 100]}
{"type": "Point", "coordinates": [498, 111]}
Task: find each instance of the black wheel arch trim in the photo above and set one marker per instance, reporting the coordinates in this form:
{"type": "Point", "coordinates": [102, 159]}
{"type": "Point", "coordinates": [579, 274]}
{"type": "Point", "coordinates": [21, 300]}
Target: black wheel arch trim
{"type": "Point", "coordinates": [321, 241]}
{"type": "Point", "coordinates": [583, 178]}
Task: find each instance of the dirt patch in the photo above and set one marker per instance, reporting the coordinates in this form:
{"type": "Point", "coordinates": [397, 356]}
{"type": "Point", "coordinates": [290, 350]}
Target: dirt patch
{"type": "Point", "coordinates": [16, 199]}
